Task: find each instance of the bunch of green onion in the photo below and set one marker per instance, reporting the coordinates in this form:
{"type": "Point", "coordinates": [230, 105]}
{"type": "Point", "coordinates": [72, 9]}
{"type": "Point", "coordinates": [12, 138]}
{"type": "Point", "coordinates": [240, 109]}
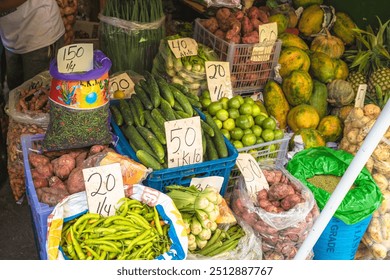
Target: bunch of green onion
{"type": "Point", "coordinates": [199, 209]}
{"type": "Point", "coordinates": [132, 49]}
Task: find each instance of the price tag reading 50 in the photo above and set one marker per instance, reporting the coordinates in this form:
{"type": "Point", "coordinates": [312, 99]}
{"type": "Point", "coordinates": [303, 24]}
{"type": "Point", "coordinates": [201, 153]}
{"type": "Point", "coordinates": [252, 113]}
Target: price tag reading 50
{"type": "Point", "coordinates": [183, 47]}
{"type": "Point", "coordinates": [252, 173]}
{"type": "Point", "coordinates": [218, 79]}
{"type": "Point", "coordinates": [104, 188]}
{"type": "Point", "coordinates": [184, 141]}
{"type": "Point", "coordinates": [75, 58]}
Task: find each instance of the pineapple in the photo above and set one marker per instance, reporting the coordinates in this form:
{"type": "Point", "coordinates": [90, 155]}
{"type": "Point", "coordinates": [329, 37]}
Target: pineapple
{"type": "Point", "coordinates": [370, 62]}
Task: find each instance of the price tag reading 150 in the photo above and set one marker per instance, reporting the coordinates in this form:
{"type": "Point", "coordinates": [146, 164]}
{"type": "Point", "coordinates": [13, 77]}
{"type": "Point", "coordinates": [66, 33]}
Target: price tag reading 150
{"type": "Point", "coordinates": [184, 141]}
{"type": "Point", "coordinates": [183, 47]}
{"type": "Point", "coordinates": [253, 176]}
{"type": "Point", "coordinates": [75, 58]}
{"type": "Point", "coordinates": [104, 188]}
{"type": "Point", "coordinates": [218, 79]}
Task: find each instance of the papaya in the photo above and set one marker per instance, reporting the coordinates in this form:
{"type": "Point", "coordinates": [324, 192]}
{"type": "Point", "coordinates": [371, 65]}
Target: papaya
{"type": "Point", "coordinates": [297, 87]}
{"type": "Point", "coordinates": [292, 40]}
{"type": "Point", "coordinates": [281, 20]}
{"type": "Point", "coordinates": [306, 3]}
{"type": "Point", "coordinates": [311, 20]}
{"type": "Point", "coordinates": [319, 98]}
{"type": "Point", "coordinates": [322, 67]}
{"type": "Point", "coordinates": [331, 128]}
{"type": "Point", "coordinates": [302, 116]}
{"type": "Point", "coordinates": [288, 11]}
{"type": "Point", "coordinates": [276, 103]}
{"type": "Point", "coordinates": [341, 70]}
{"type": "Point", "coordinates": [311, 138]}
{"type": "Point", "coordinates": [343, 28]}
{"type": "Point", "coordinates": [293, 58]}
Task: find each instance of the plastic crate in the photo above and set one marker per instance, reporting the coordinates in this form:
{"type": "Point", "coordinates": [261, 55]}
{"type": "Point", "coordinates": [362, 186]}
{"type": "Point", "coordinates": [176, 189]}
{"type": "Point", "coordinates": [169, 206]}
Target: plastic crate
{"type": "Point", "coordinates": [247, 76]}
{"type": "Point", "coordinates": [182, 175]}
{"type": "Point", "coordinates": [272, 153]}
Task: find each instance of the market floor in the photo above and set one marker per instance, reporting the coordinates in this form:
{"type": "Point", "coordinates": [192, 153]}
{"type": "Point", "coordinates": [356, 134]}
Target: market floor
{"type": "Point", "coordinates": [17, 240]}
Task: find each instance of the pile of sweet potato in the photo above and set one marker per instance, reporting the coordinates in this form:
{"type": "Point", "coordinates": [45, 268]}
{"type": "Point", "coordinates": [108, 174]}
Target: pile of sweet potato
{"type": "Point", "coordinates": [58, 174]}
{"type": "Point", "coordinates": [240, 27]}
{"type": "Point", "coordinates": [282, 203]}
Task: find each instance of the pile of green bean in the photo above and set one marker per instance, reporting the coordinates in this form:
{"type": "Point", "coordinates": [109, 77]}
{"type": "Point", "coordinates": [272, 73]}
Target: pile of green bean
{"type": "Point", "coordinates": [132, 49]}
{"type": "Point", "coordinates": [135, 232]}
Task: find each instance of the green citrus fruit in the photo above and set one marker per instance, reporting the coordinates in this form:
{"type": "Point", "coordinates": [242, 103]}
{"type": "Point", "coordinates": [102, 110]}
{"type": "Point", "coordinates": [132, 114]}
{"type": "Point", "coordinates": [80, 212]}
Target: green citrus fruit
{"type": "Point", "coordinates": [218, 123]}
{"type": "Point", "coordinates": [222, 115]}
{"type": "Point", "coordinates": [205, 102]}
{"type": "Point", "coordinates": [259, 119]}
{"type": "Point", "coordinates": [257, 130]}
{"type": "Point", "coordinates": [214, 107]}
{"type": "Point", "coordinates": [279, 134]}
{"type": "Point", "coordinates": [249, 100]}
{"type": "Point", "coordinates": [226, 133]}
{"type": "Point", "coordinates": [268, 135]}
{"type": "Point", "coordinates": [236, 133]}
{"type": "Point", "coordinates": [248, 139]}
{"type": "Point", "coordinates": [224, 101]}
{"type": "Point", "coordinates": [238, 144]}
{"type": "Point", "coordinates": [234, 102]}
{"type": "Point", "coordinates": [233, 113]}
{"type": "Point", "coordinates": [248, 131]}
{"type": "Point", "coordinates": [229, 124]}
{"type": "Point", "coordinates": [243, 122]}
{"type": "Point", "coordinates": [269, 123]}
{"type": "Point", "coordinates": [245, 109]}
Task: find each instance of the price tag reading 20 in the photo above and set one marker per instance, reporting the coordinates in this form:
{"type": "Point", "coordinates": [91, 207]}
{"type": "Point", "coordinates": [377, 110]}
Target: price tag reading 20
{"type": "Point", "coordinates": [183, 47]}
{"type": "Point", "coordinates": [184, 141]}
{"type": "Point", "coordinates": [253, 176]}
{"type": "Point", "coordinates": [218, 79]}
{"type": "Point", "coordinates": [75, 58]}
{"type": "Point", "coordinates": [104, 188]}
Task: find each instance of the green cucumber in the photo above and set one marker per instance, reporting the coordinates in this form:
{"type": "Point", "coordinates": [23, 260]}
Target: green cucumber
{"type": "Point", "coordinates": [117, 115]}
{"type": "Point", "coordinates": [167, 110]}
{"type": "Point", "coordinates": [136, 139]}
{"type": "Point", "coordinates": [143, 96]}
{"type": "Point", "coordinates": [211, 150]}
{"type": "Point", "coordinates": [134, 112]}
{"type": "Point", "coordinates": [218, 138]}
{"type": "Point", "coordinates": [148, 160]}
{"type": "Point", "coordinates": [154, 91]}
{"type": "Point", "coordinates": [181, 115]}
{"type": "Point", "coordinates": [177, 107]}
{"type": "Point", "coordinates": [139, 108]}
{"type": "Point", "coordinates": [185, 90]}
{"type": "Point", "coordinates": [165, 90]}
{"type": "Point", "coordinates": [159, 132]}
{"type": "Point", "coordinates": [158, 118]}
{"type": "Point", "coordinates": [126, 112]}
{"type": "Point", "coordinates": [153, 142]}
{"type": "Point", "coordinates": [182, 100]}
{"type": "Point", "coordinates": [207, 128]}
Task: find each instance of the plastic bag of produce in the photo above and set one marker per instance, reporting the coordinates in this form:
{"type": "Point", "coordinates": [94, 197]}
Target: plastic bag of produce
{"type": "Point", "coordinates": [281, 216]}
{"type": "Point", "coordinates": [223, 3]}
{"type": "Point", "coordinates": [60, 246]}
{"type": "Point", "coordinates": [359, 203]}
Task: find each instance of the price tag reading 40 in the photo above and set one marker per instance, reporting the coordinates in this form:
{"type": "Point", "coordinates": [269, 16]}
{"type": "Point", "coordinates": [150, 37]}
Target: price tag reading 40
{"type": "Point", "coordinates": [122, 82]}
{"type": "Point", "coordinates": [183, 47]}
{"type": "Point", "coordinates": [268, 34]}
{"type": "Point", "coordinates": [252, 173]}
{"type": "Point", "coordinates": [218, 79]}
{"type": "Point", "coordinates": [75, 58]}
{"type": "Point", "coordinates": [184, 141]}
{"type": "Point", "coordinates": [104, 188]}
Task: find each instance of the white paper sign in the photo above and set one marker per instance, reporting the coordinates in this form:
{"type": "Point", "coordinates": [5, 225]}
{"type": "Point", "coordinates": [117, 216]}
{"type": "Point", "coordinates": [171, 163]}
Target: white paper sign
{"type": "Point", "coordinates": [252, 173]}
{"type": "Point", "coordinates": [218, 79]}
{"type": "Point", "coordinates": [215, 182]}
{"type": "Point", "coordinates": [184, 141]}
{"type": "Point", "coordinates": [360, 96]}
{"type": "Point", "coordinates": [122, 82]}
{"type": "Point", "coordinates": [183, 47]}
{"type": "Point", "coordinates": [104, 188]}
{"type": "Point", "coordinates": [75, 58]}
{"type": "Point", "coordinates": [268, 34]}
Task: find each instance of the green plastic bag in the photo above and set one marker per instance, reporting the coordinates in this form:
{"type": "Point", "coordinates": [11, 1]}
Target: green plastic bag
{"type": "Point", "coordinates": [359, 203]}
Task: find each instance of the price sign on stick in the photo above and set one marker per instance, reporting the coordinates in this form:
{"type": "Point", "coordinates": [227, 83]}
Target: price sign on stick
{"type": "Point", "coordinates": [215, 182]}
{"type": "Point", "coordinates": [184, 141]}
{"type": "Point", "coordinates": [360, 96]}
{"type": "Point", "coordinates": [75, 58]}
{"type": "Point", "coordinates": [122, 82]}
{"type": "Point", "coordinates": [104, 188]}
{"type": "Point", "coordinates": [268, 34]}
{"type": "Point", "coordinates": [252, 173]}
{"type": "Point", "coordinates": [218, 79]}
{"type": "Point", "coordinates": [183, 47]}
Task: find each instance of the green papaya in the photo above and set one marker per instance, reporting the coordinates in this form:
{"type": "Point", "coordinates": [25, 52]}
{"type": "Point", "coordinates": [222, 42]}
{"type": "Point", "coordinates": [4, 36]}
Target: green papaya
{"type": "Point", "coordinates": [319, 97]}
{"type": "Point", "coordinates": [322, 67]}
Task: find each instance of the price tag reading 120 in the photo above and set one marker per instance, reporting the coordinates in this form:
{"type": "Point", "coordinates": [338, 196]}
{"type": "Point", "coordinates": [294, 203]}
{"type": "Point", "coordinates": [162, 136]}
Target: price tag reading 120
{"type": "Point", "coordinates": [183, 47]}
{"type": "Point", "coordinates": [184, 141]}
{"type": "Point", "coordinates": [104, 188]}
{"type": "Point", "coordinates": [218, 79]}
{"type": "Point", "coordinates": [75, 58]}
{"type": "Point", "coordinates": [253, 176]}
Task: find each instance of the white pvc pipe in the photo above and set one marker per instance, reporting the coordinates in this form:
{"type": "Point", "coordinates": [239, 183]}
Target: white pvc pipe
{"type": "Point", "coordinates": [367, 148]}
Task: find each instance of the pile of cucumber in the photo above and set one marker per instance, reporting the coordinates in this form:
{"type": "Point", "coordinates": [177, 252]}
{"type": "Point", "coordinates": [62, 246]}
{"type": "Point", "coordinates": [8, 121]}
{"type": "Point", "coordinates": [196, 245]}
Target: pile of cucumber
{"type": "Point", "coordinates": [141, 119]}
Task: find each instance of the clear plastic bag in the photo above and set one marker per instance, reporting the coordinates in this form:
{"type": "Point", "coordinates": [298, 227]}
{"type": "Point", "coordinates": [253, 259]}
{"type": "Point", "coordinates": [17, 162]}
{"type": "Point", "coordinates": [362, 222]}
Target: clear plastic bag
{"type": "Point", "coordinates": [223, 3]}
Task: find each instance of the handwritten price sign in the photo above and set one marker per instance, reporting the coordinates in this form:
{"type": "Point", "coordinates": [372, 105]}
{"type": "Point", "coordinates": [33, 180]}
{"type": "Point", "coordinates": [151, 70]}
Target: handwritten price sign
{"type": "Point", "coordinates": [75, 58]}
{"type": "Point", "coordinates": [183, 47]}
{"type": "Point", "coordinates": [122, 82]}
{"type": "Point", "coordinates": [104, 188]}
{"type": "Point", "coordinates": [218, 79]}
{"type": "Point", "coordinates": [215, 182]}
{"type": "Point", "coordinates": [252, 173]}
{"type": "Point", "coordinates": [268, 34]}
{"type": "Point", "coordinates": [360, 96]}
{"type": "Point", "coordinates": [184, 141]}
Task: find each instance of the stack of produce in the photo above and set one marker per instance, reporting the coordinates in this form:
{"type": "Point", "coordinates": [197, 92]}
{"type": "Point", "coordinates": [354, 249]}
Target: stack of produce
{"type": "Point", "coordinates": [68, 10]}
{"type": "Point", "coordinates": [200, 211]}
{"type": "Point", "coordinates": [189, 71]}
{"type": "Point", "coordinates": [141, 119]}
{"type": "Point", "coordinates": [135, 232]}
{"type": "Point", "coordinates": [130, 33]}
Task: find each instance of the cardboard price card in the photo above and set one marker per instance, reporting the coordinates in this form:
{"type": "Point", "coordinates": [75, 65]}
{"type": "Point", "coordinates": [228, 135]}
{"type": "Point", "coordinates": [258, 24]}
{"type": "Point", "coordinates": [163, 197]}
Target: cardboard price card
{"type": "Point", "coordinates": [183, 47]}
{"type": "Point", "coordinates": [268, 34]}
{"type": "Point", "coordinates": [218, 79]}
{"type": "Point", "coordinates": [104, 188]}
{"type": "Point", "coordinates": [360, 96]}
{"type": "Point", "coordinates": [184, 141]}
{"type": "Point", "coordinates": [122, 82]}
{"type": "Point", "coordinates": [252, 173]}
{"type": "Point", "coordinates": [75, 58]}
{"type": "Point", "coordinates": [215, 182]}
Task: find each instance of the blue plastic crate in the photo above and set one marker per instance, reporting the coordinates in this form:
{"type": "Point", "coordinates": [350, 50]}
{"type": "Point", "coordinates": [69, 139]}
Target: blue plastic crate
{"type": "Point", "coordinates": [182, 175]}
